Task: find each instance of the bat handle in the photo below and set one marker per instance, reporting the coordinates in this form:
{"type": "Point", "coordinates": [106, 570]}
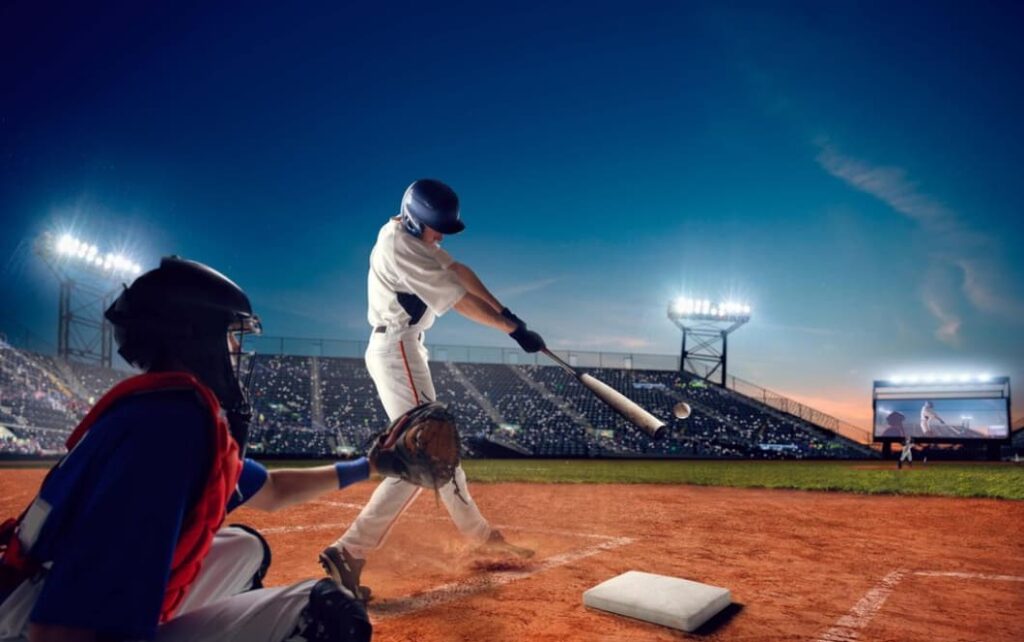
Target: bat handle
{"type": "Point", "coordinates": [558, 361]}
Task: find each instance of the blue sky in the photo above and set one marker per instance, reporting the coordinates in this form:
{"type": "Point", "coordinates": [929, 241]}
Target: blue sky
{"type": "Point", "coordinates": [851, 169]}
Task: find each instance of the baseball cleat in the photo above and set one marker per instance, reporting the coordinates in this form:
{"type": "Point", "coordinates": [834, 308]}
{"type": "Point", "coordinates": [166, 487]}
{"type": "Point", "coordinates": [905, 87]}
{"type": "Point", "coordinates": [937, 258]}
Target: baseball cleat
{"type": "Point", "coordinates": [345, 570]}
{"type": "Point", "coordinates": [496, 544]}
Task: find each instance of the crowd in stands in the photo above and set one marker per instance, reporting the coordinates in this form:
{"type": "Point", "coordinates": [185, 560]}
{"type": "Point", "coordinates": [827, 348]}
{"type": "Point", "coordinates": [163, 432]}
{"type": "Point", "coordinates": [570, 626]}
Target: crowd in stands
{"type": "Point", "coordinates": [350, 407]}
{"type": "Point", "coordinates": [281, 390]}
{"type": "Point", "coordinates": [24, 440]}
{"type": "Point", "coordinates": [323, 407]}
{"type": "Point", "coordinates": [32, 394]}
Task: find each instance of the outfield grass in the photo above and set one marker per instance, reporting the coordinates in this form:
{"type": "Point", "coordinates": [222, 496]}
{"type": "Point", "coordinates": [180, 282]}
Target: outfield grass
{"type": "Point", "coordinates": [997, 480]}
{"type": "Point", "coordinates": [1004, 481]}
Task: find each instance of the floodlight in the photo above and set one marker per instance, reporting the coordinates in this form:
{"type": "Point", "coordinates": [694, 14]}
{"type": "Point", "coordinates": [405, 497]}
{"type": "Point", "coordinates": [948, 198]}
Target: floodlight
{"type": "Point", "coordinates": [964, 378]}
{"type": "Point", "coordinates": [75, 250]}
{"type": "Point", "coordinates": [82, 331]}
{"type": "Point", "coordinates": [984, 378]}
{"type": "Point", "coordinates": [913, 379]}
{"type": "Point", "coordinates": [947, 378]}
{"type": "Point", "coordinates": [896, 379]}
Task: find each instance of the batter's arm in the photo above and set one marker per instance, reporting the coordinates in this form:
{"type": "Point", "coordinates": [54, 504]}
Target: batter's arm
{"type": "Point", "coordinates": [476, 309]}
{"type": "Point", "coordinates": [476, 287]}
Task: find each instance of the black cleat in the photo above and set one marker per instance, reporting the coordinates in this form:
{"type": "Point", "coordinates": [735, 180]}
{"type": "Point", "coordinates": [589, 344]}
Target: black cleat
{"type": "Point", "coordinates": [344, 569]}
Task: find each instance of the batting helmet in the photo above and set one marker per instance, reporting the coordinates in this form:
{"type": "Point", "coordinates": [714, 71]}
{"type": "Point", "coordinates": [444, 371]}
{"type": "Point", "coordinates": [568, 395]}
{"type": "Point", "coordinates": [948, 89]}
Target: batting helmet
{"type": "Point", "coordinates": [432, 203]}
{"type": "Point", "coordinates": [177, 317]}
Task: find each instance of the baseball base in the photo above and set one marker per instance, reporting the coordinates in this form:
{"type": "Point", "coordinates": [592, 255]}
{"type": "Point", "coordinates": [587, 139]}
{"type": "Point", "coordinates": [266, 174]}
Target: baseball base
{"type": "Point", "coordinates": [659, 599]}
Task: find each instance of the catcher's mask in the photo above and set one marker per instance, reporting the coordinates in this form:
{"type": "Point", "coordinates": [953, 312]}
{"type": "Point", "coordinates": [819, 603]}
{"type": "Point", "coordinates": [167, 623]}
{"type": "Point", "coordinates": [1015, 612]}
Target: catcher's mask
{"type": "Point", "coordinates": [186, 315]}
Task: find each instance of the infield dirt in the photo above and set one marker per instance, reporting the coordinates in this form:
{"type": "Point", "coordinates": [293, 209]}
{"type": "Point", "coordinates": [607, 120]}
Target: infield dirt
{"type": "Point", "coordinates": [798, 563]}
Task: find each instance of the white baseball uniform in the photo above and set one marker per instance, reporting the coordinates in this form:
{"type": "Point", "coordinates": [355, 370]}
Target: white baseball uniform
{"type": "Point", "coordinates": [409, 285]}
{"type": "Point", "coordinates": [927, 415]}
{"type": "Point", "coordinates": [907, 453]}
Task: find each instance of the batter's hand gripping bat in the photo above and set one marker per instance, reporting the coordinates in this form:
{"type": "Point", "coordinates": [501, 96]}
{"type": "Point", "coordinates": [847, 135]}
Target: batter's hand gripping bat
{"type": "Point", "coordinates": [616, 400]}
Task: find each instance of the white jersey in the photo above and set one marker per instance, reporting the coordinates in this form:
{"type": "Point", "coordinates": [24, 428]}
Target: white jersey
{"type": "Point", "coordinates": [409, 284]}
{"type": "Point", "coordinates": [927, 414]}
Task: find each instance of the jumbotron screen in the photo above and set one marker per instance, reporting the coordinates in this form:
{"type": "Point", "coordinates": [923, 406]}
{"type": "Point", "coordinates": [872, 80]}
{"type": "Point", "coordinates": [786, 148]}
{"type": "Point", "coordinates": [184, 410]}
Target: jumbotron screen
{"type": "Point", "coordinates": [951, 411]}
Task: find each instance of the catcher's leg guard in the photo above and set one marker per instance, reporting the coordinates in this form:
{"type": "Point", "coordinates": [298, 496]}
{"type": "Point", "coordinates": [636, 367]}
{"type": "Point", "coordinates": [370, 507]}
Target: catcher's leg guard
{"type": "Point", "coordinates": [257, 580]}
{"type": "Point", "coordinates": [332, 615]}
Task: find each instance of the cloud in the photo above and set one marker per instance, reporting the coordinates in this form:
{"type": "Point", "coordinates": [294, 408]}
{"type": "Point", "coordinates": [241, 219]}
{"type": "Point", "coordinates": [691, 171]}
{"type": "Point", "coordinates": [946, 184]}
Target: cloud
{"type": "Point", "coordinates": [954, 247]}
{"type": "Point", "coordinates": [977, 285]}
{"type": "Point", "coordinates": [948, 331]}
{"type": "Point", "coordinates": [891, 186]}
{"type": "Point", "coordinates": [803, 329]}
{"type": "Point", "coordinates": [606, 342]}
{"type": "Point", "coordinates": [513, 291]}
{"type": "Point", "coordinates": [940, 295]}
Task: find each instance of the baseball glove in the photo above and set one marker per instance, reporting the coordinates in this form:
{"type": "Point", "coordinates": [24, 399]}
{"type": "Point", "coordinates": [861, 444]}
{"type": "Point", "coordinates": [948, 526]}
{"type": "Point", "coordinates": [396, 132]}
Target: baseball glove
{"type": "Point", "coordinates": [421, 447]}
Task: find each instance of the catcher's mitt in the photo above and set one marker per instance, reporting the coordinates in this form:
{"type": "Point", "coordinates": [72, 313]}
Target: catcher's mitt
{"type": "Point", "coordinates": [421, 447]}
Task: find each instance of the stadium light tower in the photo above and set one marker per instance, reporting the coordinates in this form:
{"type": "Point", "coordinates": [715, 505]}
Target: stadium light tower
{"type": "Point", "coordinates": [88, 282]}
{"type": "Point", "coordinates": [706, 327]}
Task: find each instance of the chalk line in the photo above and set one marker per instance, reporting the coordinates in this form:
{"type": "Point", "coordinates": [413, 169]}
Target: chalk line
{"type": "Point", "coordinates": [846, 627]}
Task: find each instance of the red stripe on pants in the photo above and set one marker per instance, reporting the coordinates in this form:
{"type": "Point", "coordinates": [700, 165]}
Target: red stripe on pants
{"type": "Point", "coordinates": [408, 373]}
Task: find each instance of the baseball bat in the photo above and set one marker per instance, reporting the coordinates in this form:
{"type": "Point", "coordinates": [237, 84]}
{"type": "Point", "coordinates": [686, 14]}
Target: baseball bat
{"type": "Point", "coordinates": [617, 401]}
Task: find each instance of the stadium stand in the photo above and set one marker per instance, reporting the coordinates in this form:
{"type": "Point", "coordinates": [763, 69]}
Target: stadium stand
{"type": "Point", "coordinates": [328, 406]}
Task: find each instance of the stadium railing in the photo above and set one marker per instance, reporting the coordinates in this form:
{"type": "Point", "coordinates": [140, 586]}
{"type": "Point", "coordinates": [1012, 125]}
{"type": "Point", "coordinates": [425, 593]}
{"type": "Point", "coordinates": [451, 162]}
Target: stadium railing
{"type": "Point", "coordinates": [299, 346]}
{"type": "Point", "coordinates": [783, 403]}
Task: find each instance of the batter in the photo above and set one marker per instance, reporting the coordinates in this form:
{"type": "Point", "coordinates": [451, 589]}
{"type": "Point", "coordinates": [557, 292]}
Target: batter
{"type": "Point", "coordinates": [928, 415]}
{"type": "Point", "coordinates": [411, 282]}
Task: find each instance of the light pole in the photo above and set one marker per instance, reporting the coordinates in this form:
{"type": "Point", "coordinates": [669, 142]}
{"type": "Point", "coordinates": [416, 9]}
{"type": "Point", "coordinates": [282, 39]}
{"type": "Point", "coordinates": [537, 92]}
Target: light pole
{"type": "Point", "coordinates": [86, 278]}
{"type": "Point", "coordinates": [706, 327]}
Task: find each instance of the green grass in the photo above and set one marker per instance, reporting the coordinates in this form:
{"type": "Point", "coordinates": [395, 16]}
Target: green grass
{"type": "Point", "coordinates": [1003, 481]}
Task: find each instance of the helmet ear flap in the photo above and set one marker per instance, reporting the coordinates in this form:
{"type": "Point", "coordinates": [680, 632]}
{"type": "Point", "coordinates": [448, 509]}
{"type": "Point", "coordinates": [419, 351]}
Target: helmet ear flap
{"type": "Point", "coordinates": [412, 226]}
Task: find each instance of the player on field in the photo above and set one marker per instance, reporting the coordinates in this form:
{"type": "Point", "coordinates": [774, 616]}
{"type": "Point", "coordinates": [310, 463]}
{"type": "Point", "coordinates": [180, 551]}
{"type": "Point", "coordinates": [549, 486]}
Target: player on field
{"type": "Point", "coordinates": [412, 281]}
{"type": "Point", "coordinates": [907, 453]}
{"type": "Point", "coordinates": [125, 538]}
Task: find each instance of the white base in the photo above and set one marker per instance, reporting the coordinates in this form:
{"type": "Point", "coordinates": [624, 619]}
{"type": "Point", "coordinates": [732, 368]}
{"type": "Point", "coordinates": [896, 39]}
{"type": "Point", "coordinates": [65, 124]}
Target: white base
{"type": "Point", "coordinates": [668, 601]}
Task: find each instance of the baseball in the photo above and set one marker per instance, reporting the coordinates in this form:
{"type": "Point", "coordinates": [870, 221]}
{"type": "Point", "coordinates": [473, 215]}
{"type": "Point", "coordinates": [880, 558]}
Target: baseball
{"type": "Point", "coordinates": [681, 410]}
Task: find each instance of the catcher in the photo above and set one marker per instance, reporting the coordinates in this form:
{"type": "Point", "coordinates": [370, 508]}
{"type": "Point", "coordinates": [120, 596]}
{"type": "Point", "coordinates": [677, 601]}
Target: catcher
{"type": "Point", "coordinates": [125, 538]}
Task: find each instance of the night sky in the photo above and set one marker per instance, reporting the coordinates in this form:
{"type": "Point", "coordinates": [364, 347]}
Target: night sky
{"type": "Point", "coordinates": [852, 170]}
